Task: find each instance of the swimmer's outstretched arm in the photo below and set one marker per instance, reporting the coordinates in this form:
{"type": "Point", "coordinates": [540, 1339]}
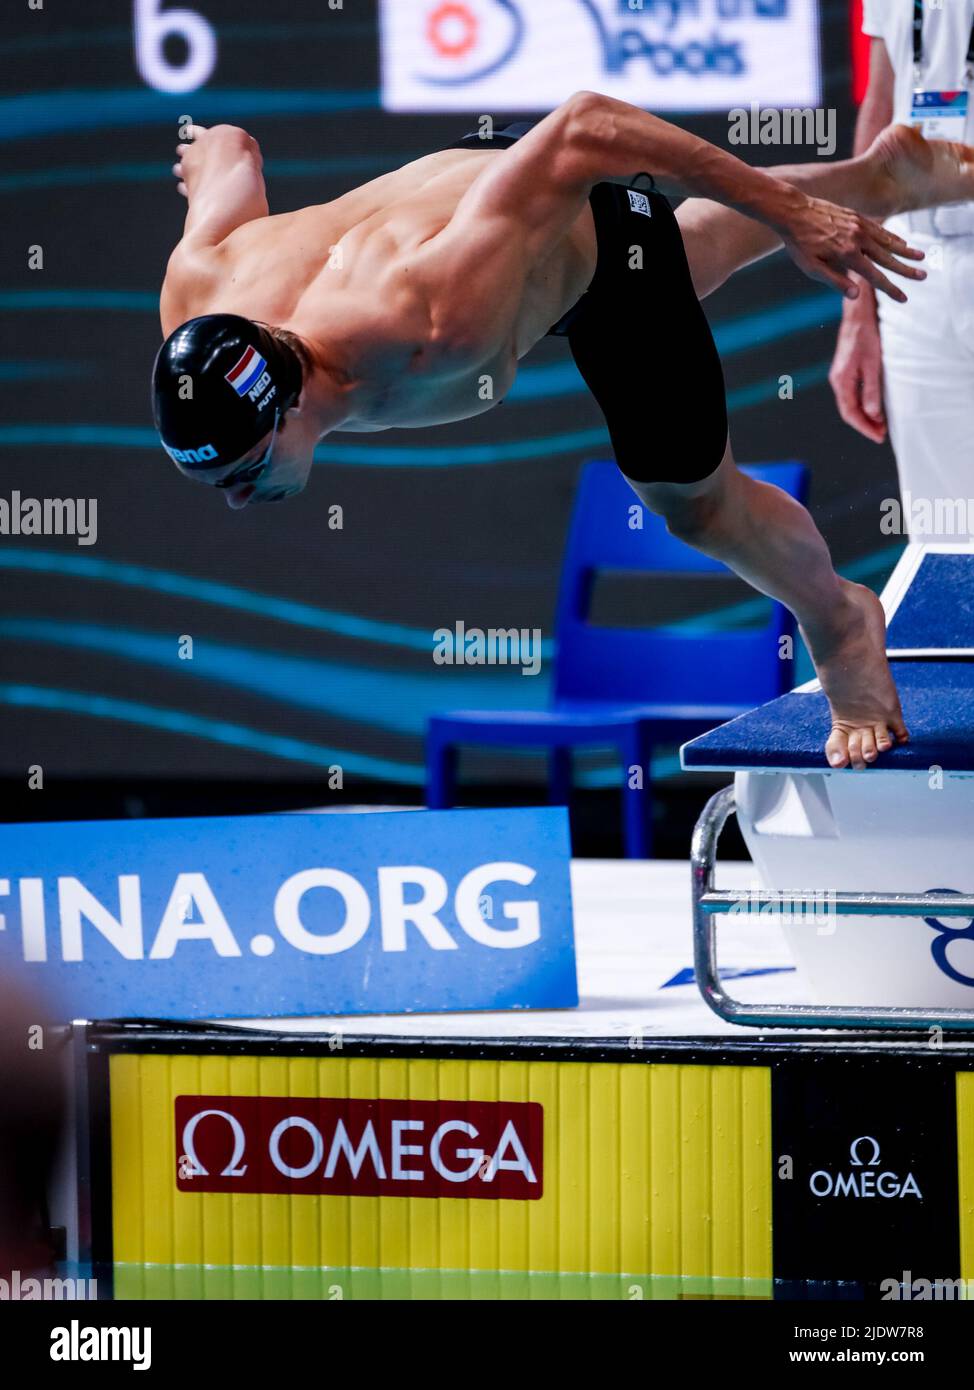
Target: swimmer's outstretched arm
{"type": "Point", "coordinates": [220, 172]}
{"type": "Point", "coordinates": [543, 181]}
{"type": "Point", "coordinates": [898, 172]}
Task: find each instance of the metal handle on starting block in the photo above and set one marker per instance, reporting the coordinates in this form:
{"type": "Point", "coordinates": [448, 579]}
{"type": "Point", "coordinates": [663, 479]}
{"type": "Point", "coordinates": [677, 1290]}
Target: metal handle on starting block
{"type": "Point", "coordinates": [709, 902]}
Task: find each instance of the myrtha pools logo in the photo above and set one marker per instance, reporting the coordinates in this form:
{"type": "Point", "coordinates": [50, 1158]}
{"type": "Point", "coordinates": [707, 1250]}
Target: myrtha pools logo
{"type": "Point", "coordinates": [464, 41]}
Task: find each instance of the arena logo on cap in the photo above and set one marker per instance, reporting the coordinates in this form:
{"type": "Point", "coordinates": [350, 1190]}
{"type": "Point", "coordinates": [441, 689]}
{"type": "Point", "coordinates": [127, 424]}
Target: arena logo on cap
{"type": "Point", "coordinates": [204, 453]}
{"type": "Point", "coordinates": [360, 1148]}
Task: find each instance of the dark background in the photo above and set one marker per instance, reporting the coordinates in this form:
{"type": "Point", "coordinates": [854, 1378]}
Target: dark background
{"type": "Point", "coordinates": [465, 522]}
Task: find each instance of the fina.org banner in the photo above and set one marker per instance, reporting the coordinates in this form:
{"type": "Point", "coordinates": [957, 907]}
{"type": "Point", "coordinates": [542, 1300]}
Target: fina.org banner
{"type": "Point", "coordinates": [529, 55]}
{"type": "Point", "coordinates": [289, 915]}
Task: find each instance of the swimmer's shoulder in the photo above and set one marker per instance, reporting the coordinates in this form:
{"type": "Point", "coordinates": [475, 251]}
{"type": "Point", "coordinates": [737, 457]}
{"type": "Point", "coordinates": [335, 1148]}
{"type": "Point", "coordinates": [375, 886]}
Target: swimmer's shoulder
{"type": "Point", "coordinates": [363, 202]}
{"type": "Point", "coordinates": [193, 273]}
{"type": "Point", "coordinates": [199, 264]}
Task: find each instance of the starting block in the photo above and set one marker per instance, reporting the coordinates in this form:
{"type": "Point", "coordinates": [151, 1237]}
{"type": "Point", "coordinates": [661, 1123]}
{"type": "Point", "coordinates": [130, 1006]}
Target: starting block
{"type": "Point", "coordinates": [871, 873]}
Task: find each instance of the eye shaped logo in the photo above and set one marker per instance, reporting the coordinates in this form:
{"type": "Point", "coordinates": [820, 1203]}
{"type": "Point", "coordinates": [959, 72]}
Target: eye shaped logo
{"type": "Point", "coordinates": [946, 934]}
{"type": "Point", "coordinates": [470, 39]}
{"type": "Point", "coordinates": [452, 30]}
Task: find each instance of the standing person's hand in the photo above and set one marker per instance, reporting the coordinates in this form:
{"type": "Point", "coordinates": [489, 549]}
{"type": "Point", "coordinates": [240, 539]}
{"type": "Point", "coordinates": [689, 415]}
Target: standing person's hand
{"type": "Point", "coordinates": [856, 377]}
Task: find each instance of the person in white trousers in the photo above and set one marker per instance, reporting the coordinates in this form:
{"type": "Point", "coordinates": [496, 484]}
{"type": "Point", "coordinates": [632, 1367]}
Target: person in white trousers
{"type": "Point", "coordinates": [909, 368]}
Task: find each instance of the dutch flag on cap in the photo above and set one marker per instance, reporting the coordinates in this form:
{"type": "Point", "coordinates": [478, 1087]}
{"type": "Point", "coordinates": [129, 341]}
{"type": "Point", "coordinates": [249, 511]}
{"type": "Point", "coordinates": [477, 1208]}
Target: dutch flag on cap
{"type": "Point", "coordinates": [247, 371]}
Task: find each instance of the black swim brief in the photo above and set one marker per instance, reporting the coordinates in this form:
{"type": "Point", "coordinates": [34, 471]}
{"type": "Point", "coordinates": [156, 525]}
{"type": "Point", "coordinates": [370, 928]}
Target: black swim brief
{"type": "Point", "coordinates": [639, 335]}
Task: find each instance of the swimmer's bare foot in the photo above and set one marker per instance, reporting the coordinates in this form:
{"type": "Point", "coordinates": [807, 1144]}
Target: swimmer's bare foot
{"type": "Point", "coordinates": [850, 659]}
{"type": "Point", "coordinates": [913, 172]}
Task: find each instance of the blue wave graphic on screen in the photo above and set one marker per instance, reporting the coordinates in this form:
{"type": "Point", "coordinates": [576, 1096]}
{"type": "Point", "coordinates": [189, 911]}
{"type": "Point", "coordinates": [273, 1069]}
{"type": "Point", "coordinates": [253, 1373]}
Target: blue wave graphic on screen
{"type": "Point", "coordinates": [240, 736]}
{"type": "Point", "coordinates": [160, 173]}
{"type": "Point", "coordinates": [396, 701]}
{"type": "Point", "coordinates": [40, 370]}
{"type": "Point", "coordinates": [57, 113]}
{"type": "Point", "coordinates": [228, 596]}
{"type": "Point", "coordinates": [741, 334]}
{"type": "Point", "coordinates": [109, 301]}
{"type": "Point", "coordinates": [534, 384]}
{"type": "Point", "coordinates": [396, 456]}
{"type": "Point", "coordinates": [121, 37]}
{"type": "Point", "coordinates": [210, 730]}
{"type": "Point", "coordinates": [389, 456]}
{"type": "Point", "coordinates": [751, 331]}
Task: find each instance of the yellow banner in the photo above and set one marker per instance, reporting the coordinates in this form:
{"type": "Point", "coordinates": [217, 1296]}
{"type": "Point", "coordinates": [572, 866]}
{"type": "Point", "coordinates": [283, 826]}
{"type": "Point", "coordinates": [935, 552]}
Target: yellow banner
{"type": "Point", "coordinates": [657, 1183]}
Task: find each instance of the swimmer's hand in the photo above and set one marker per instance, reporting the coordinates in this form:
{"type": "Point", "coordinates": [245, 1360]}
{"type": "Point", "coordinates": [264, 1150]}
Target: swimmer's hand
{"type": "Point", "coordinates": [220, 172]}
{"type": "Point", "coordinates": [210, 145]}
{"type": "Point", "coordinates": [827, 242]}
{"type": "Point", "coordinates": [188, 157]}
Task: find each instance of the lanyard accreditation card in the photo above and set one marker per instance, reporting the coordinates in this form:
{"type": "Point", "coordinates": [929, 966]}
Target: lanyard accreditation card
{"type": "Point", "coordinates": [938, 115]}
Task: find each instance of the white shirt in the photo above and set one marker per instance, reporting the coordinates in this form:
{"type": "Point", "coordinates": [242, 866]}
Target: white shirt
{"type": "Point", "coordinates": [946, 33]}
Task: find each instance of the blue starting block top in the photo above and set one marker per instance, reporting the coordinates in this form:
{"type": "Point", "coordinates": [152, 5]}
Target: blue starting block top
{"type": "Point", "coordinates": [931, 607]}
{"type": "Point", "coordinates": [929, 604]}
{"type": "Point", "coordinates": [790, 732]}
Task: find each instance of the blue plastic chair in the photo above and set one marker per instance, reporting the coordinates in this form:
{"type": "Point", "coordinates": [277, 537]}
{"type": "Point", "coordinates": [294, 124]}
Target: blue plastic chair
{"type": "Point", "coordinates": [627, 688]}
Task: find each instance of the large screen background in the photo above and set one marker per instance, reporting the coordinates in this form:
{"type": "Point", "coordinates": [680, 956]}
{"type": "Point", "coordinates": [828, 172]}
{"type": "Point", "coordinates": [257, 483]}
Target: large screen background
{"type": "Point", "coordinates": [311, 645]}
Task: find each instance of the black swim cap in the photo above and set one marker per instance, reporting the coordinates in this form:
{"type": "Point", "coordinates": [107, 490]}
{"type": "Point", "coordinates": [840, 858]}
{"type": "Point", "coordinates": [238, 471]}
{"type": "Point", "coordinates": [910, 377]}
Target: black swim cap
{"type": "Point", "coordinates": [217, 385]}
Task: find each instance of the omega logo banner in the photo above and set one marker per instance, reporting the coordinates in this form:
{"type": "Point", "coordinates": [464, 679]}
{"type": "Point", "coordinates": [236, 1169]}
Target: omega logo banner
{"type": "Point", "coordinates": [865, 1174]}
{"type": "Point", "coordinates": [287, 915]}
{"type": "Point", "coordinates": [529, 55]}
{"type": "Point", "coordinates": [360, 1148]}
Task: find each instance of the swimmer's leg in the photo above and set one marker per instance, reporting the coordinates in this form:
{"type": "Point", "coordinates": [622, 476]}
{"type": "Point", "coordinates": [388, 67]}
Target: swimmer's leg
{"type": "Point", "coordinates": [771, 541]}
{"type": "Point", "coordinates": [644, 348]}
{"type": "Point", "coordinates": [900, 171]}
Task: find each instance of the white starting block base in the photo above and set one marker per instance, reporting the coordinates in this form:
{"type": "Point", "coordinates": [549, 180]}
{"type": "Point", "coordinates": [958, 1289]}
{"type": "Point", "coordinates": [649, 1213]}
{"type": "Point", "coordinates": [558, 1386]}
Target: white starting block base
{"type": "Point", "coordinates": [828, 832]}
{"type": "Point", "coordinates": [903, 826]}
{"type": "Point", "coordinates": [633, 936]}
